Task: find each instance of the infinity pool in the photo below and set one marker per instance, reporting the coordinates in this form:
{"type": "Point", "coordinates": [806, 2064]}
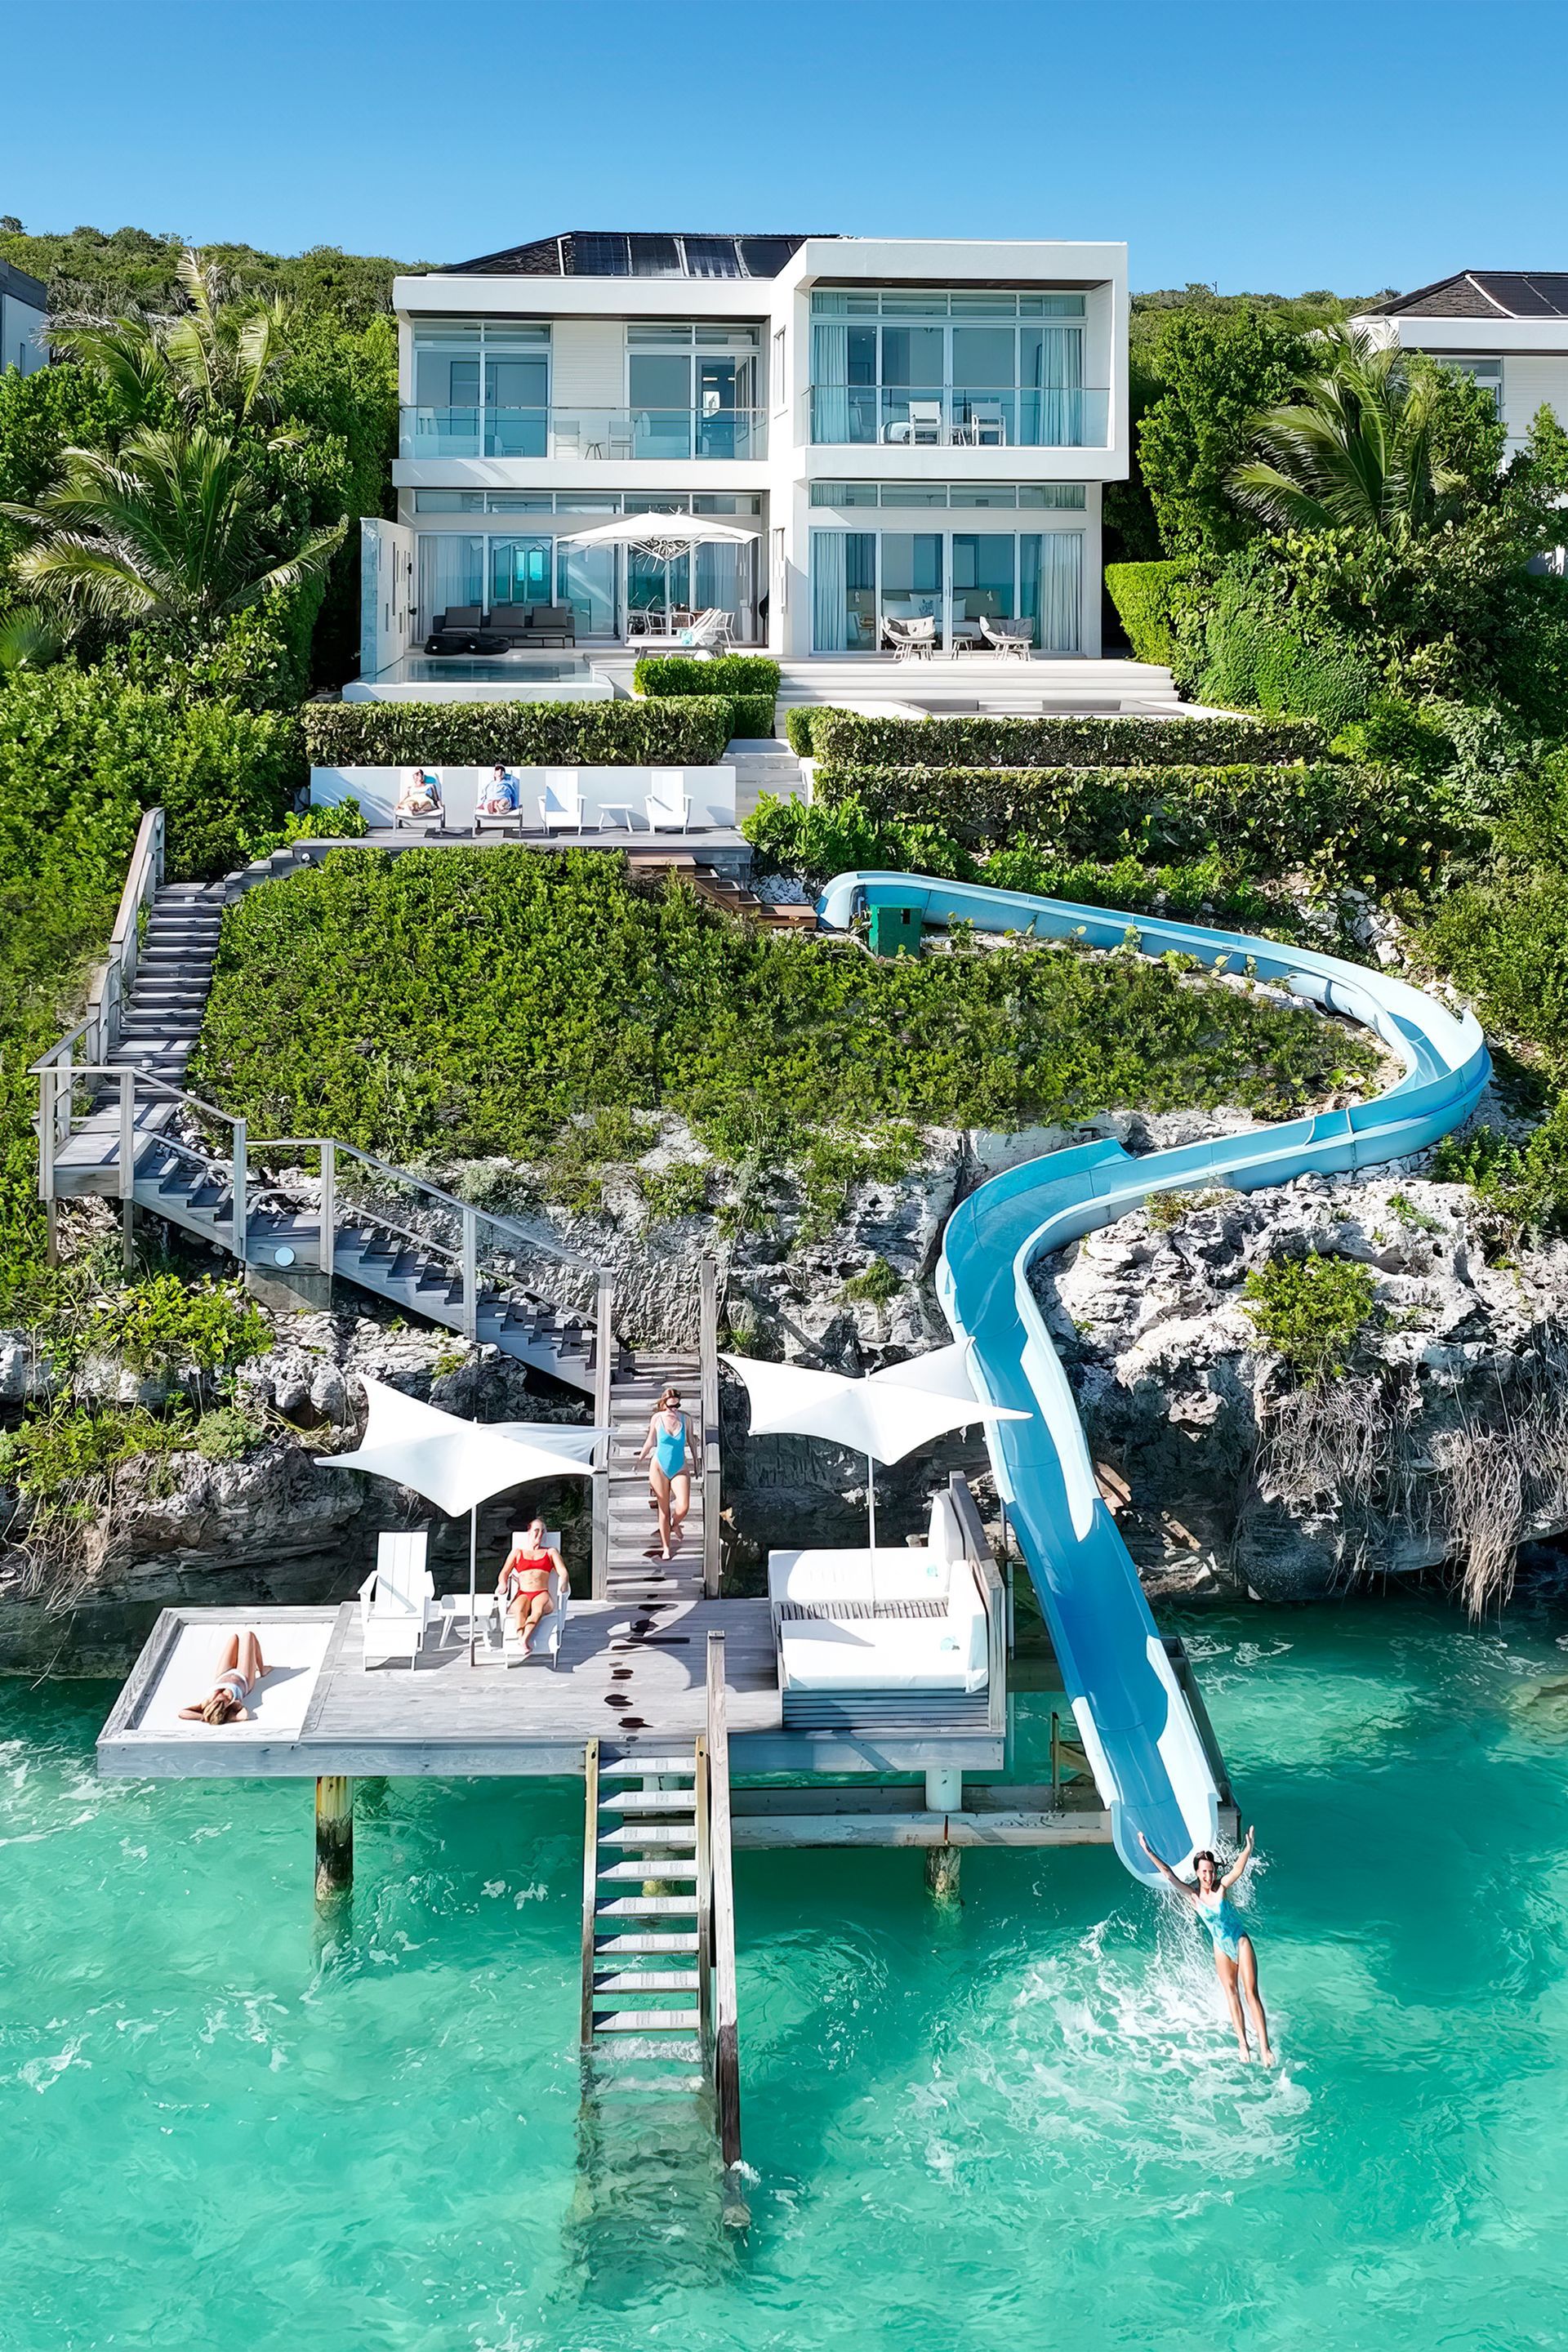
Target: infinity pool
{"type": "Point", "coordinates": [1018, 2126]}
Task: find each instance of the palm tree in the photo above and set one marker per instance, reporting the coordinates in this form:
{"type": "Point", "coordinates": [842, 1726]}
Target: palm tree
{"type": "Point", "coordinates": [1355, 450]}
{"type": "Point", "coordinates": [30, 638]}
{"type": "Point", "coordinates": [220, 357]}
{"type": "Point", "coordinates": [168, 529]}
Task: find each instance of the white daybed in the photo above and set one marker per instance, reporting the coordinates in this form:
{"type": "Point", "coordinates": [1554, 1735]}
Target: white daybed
{"type": "Point", "coordinates": [917, 1623]}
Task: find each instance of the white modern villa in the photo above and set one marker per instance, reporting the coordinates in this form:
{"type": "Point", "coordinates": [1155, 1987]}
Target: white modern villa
{"type": "Point", "coordinates": [1507, 328]}
{"type": "Point", "coordinates": [891, 432]}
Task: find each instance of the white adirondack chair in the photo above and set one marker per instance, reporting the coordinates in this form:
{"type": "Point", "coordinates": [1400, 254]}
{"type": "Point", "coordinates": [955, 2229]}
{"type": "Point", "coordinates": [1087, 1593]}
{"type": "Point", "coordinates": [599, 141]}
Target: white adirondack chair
{"type": "Point", "coordinates": [546, 1641]}
{"type": "Point", "coordinates": [397, 1600]}
{"type": "Point", "coordinates": [562, 806]}
{"type": "Point", "coordinates": [669, 807]}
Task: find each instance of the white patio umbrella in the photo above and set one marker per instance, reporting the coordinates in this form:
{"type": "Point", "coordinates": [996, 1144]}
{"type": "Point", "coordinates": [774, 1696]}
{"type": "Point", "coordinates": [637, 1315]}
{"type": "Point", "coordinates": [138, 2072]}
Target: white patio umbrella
{"type": "Point", "coordinates": [457, 1464]}
{"type": "Point", "coordinates": [663, 536]}
{"type": "Point", "coordinates": [883, 1416]}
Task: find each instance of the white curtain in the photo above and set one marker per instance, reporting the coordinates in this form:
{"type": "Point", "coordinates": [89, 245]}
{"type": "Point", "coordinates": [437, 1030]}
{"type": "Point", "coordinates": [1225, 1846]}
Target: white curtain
{"type": "Point", "coordinates": [829, 592]}
{"type": "Point", "coordinates": [1061, 591]}
{"type": "Point", "coordinates": [451, 572]}
{"type": "Point", "coordinates": [830, 383]}
{"type": "Point", "coordinates": [1061, 396]}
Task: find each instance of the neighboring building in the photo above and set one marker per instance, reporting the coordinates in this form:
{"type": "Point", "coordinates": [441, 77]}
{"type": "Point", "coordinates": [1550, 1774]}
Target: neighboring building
{"type": "Point", "coordinates": [906, 428]}
{"type": "Point", "coordinates": [23, 305]}
{"type": "Point", "coordinates": [1507, 328]}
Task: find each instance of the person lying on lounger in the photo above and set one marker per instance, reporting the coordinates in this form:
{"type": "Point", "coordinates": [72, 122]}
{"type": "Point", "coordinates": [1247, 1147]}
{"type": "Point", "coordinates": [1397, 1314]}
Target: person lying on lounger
{"type": "Point", "coordinates": [524, 1592]}
{"type": "Point", "coordinates": [421, 795]}
{"type": "Point", "coordinates": [498, 796]}
{"type": "Point", "coordinates": [240, 1668]}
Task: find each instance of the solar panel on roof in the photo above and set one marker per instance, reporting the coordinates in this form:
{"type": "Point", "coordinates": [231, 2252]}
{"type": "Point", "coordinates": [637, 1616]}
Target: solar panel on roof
{"type": "Point", "coordinates": [655, 257]}
{"type": "Point", "coordinates": [600, 254]}
{"type": "Point", "coordinates": [765, 256]}
{"type": "Point", "coordinates": [711, 257]}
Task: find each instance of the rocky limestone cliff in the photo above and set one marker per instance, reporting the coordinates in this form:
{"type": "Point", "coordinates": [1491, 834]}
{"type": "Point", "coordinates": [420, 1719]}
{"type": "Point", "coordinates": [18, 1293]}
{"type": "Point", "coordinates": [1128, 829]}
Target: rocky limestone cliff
{"type": "Point", "coordinates": [1445, 1441]}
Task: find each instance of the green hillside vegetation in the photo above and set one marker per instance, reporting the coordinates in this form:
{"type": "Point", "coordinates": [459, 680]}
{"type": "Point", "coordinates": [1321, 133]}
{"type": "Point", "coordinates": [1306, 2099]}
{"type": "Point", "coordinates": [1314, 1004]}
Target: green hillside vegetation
{"type": "Point", "coordinates": [452, 1004]}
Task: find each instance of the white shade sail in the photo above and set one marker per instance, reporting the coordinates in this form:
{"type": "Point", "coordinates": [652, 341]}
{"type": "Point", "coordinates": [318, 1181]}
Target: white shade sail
{"type": "Point", "coordinates": [885, 1416]}
{"type": "Point", "coordinates": [458, 1464]}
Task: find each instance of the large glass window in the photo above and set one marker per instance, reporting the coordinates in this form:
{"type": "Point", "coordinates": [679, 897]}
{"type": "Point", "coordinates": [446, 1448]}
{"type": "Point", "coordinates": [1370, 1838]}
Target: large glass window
{"type": "Point", "coordinates": [520, 571]}
{"type": "Point", "coordinates": [480, 390]}
{"type": "Point", "coordinates": [585, 579]}
{"type": "Point", "coordinates": [693, 390]}
{"type": "Point", "coordinates": [860, 580]}
{"type": "Point", "coordinates": [991, 381]}
{"type": "Point", "coordinates": [451, 575]}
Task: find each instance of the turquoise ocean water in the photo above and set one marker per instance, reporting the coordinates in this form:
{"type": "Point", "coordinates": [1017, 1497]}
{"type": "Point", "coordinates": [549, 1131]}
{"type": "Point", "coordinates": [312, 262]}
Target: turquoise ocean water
{"type": "Point", "coordinates": [1020, 2124]}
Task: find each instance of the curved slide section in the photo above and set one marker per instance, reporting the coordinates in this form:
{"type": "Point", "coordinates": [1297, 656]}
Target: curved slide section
{"type": "Point", "coordinates": [1136, 1728]}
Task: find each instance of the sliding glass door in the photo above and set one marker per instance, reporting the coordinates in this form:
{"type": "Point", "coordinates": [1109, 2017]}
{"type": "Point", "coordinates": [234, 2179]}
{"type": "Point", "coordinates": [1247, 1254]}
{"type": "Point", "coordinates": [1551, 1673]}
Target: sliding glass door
{"type": "Point", "coordinates": [862, 579]}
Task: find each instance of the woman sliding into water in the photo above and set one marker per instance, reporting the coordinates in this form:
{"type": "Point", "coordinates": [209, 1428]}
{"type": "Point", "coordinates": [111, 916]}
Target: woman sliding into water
{"type": "Point", "coordinates": [1236, 1962]}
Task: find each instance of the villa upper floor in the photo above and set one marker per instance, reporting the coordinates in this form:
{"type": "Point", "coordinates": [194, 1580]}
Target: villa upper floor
{"type": "Point", "coordinates": [681, 359]}
{"type": "Point", "coordinates": [1506, 328]}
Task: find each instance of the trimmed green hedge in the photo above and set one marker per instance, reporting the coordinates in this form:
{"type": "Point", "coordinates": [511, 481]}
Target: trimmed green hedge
{"type": "Point", "coordinates": [848, 738]}
{"type": "Point", "coordinates": [673, 731]}
{"type": "Point", "coordinates": [802, 725]}
{"type": "Point", "coordinates": [1147, 597]}
{"type": "Point", "coordinates": [1360, 824]}
{"type": "Point", "coordinates": [746, 674]}
{"type": "Point", "coordinates": [750, 681]}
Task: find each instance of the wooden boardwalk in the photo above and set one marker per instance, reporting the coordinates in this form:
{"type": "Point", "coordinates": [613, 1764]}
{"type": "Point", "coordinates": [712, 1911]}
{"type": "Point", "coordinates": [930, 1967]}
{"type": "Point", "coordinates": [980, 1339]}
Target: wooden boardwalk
{"type": "Point", "coordinates": [634, 1676]}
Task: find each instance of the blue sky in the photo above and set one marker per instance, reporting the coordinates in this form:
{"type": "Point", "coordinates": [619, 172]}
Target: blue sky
{"type": "Point", "coordinates": [1348, 146]}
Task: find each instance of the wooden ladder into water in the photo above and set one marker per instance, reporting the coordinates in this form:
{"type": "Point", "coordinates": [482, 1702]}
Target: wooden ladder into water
{"type": "Point", "coordinates": [659, 2021]}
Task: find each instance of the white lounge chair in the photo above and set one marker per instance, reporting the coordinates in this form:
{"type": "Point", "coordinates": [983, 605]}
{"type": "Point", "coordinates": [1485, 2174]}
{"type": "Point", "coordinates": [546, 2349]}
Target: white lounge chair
{"type": "Point", "coordinates": [669, 806]}
{"type": "Point", "coordinates": [912, 640]}
{"type": "Point", "coordinates": [397, 1600]}
{"type": "Point", "coordinates": [708, 632]}
{"type": "Point", "coordinates": [562, 806]}
{"type": "Point", "coordinates": [1008, 636]}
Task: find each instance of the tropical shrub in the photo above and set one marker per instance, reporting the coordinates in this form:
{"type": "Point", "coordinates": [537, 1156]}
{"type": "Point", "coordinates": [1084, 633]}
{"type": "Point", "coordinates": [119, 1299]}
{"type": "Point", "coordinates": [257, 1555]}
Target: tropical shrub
{"type": "Point", "coordinates": [1522, 1186]}
{"type": "Point", "coordinates": [1147, 597]}
{"type": "Point", "coordinates": [671, 732]}
{"type": "Point", "coordinates": [825, 839]}
{"type": "Point", "coordinates": [164, 1324]}
{"type": "Point", "coordinates": [847, 739]}
{"type": "Point", "coordinates": [1338, 821]}
{"type": "Point", "coordinates": [1311, 1312]}
{"type": "Point", "coordinates": [465, 1003]}
{"type": "Point", "coordinates": [1217, 369]}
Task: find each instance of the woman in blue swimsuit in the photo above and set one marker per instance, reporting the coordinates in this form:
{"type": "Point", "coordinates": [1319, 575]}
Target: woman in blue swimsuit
{"type": "Point", "coordinates": [669, 1441]}
{"type": "Point", "coordinates": [1236, 1962]}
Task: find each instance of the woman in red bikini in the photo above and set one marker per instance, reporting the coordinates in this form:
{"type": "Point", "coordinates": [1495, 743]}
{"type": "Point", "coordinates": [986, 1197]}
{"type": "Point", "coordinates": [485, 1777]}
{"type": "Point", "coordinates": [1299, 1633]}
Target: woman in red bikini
{"type": "Point", "coordinates": [524, 1590]}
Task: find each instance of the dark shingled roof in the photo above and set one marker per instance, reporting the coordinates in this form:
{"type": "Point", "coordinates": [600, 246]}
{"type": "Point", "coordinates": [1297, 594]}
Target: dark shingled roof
{"type": "Point", "coordinates": [637, 253]}
{"type": "Point", "coordinates": [1486, 294]}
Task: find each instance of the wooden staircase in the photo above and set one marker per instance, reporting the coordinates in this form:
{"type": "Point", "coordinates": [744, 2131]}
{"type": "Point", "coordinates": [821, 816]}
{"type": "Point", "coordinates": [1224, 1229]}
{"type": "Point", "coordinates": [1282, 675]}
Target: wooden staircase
{"type": "Point", "coordinates": [634, 1572]}
{"type": "Point", "coordinates": [659, 2004]}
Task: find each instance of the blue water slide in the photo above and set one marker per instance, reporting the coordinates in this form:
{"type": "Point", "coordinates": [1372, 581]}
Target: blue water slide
{"type": "Point", "coordinates": [1136, 1726]}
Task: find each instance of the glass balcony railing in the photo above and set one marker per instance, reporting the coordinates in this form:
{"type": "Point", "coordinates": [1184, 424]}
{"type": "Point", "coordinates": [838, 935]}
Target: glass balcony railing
{"type": "Point", "coordinates": [1049, 416]}
{"type": "Point", "coordinates": [632, 432]}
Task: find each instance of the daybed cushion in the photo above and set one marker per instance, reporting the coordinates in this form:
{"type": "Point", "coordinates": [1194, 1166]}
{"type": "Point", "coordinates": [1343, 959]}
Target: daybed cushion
{"type": "Point", "coordinates": [881, 1654]}
{"type": "Point", "coordinates": [903, 1573]}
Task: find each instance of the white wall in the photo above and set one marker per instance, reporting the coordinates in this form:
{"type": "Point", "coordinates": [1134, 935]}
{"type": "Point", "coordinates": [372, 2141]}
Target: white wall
{"type": "Point", "coordinates": [20, 326]}
{"type": "Point", "coordinates": [587, 363]}
{"type": "Point", "coordinates": [711, 791]}
{"type": "Point", "coordinates": [387, 593]}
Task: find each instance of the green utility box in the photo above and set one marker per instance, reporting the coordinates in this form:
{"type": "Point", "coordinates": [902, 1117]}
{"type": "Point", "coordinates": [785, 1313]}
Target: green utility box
{"type": "Point", "coordinates": [895, 931]}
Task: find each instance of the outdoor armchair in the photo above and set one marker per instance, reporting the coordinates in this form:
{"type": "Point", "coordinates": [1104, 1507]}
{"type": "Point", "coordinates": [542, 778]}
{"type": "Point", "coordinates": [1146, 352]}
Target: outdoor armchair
{"type": "Point", "coordinates": [561, 809]}
{"type": "Point", "coordinates": [397, 1600]}
{"type": "Point", "coordinates": [668, 805]}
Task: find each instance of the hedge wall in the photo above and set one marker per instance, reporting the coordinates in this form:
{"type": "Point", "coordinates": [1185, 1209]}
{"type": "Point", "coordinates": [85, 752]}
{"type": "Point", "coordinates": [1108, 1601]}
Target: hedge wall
{"type": "Point", "coordinates": [1147, 597]}
{"type": "Point", "coordinates": [845, 738]}
{"type": "Point", "coordinates": [749, 682]}
{"type": "Point", "coordinates": [670, 732]}
{"type": "Point", "coordinates": [1360, 823]}
{"type": "Point", "coordinates": [725, 674]}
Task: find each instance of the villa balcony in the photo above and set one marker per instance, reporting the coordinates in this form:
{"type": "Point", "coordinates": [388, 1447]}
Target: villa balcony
{"type": "Point", "coordinates": [1052, 416]}
{"type": "Point", "coordinates": [661, 434]}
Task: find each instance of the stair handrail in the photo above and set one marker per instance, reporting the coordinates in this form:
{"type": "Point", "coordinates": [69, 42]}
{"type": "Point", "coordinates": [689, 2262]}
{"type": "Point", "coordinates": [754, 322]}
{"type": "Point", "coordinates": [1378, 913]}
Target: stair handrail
{"type": "Point", "coordinates": [707, 1328]}
{"type": "Point", "coordinates": [726, 2002]}
{"type": "Point", "coordinates": [590, 1885]}
{"type": "Point", "coordinates": [604, 1376]}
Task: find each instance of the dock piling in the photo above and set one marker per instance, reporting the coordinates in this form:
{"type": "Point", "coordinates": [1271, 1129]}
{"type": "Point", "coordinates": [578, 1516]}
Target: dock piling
{"type": "Point", "coordinates": [335, 1837]}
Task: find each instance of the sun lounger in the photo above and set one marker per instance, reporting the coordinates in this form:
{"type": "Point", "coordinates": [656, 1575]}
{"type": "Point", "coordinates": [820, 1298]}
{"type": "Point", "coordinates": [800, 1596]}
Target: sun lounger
{"type": "Point", "coordinates": [562, 806]}
{"type": "Point", "coordinates": [669, 806]}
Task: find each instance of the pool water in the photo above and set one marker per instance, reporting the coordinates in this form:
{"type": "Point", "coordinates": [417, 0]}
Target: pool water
{"type": "Point", "coordinates": [1022, 2124]}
